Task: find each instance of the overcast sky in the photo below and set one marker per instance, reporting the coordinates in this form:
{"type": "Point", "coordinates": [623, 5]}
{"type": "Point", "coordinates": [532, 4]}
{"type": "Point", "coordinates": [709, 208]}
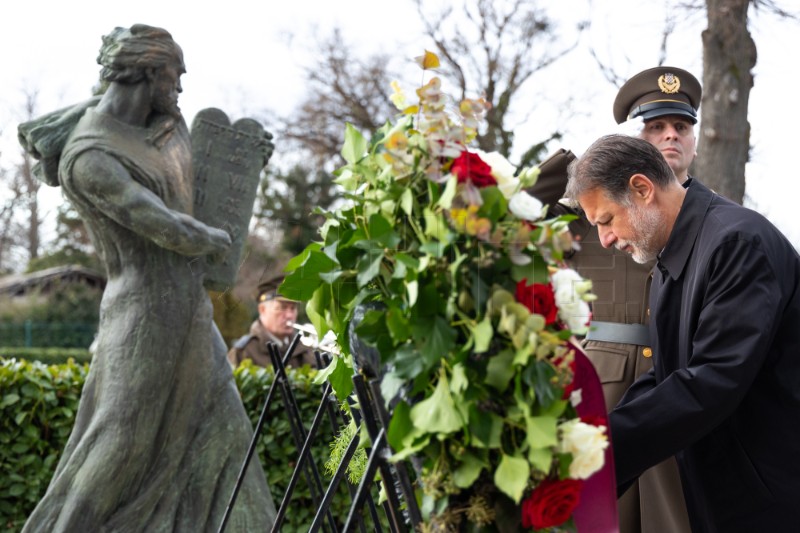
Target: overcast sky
{"type": "Point", "coordinates": [246, 56]}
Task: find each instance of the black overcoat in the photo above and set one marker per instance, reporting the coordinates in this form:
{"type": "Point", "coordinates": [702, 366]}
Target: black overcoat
{"type": "Point", "coordinates": [724, 394]}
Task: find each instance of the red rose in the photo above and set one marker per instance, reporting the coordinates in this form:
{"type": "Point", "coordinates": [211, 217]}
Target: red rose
{"type": "Point", "coordinates": [470, 167]}
{"type": "Point", "coordinates": [551, 503]}
{"type": "Point", "coordinates": [538, 298]}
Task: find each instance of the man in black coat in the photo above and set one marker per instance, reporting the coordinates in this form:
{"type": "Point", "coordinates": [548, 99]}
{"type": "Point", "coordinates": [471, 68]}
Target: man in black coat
{"type": "Point", "coordinates": [724, 394]}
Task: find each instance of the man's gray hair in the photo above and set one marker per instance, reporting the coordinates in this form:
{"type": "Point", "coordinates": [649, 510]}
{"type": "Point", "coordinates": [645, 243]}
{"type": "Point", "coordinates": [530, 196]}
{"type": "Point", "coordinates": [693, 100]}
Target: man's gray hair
{"type": "Point", "coordinates": [127, 52]}
{"type": "Point", "coordinates": [610, 162]}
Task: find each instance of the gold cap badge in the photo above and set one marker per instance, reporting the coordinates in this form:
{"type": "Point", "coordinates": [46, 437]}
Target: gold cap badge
{"type": "Point", "coordinates": [669, 83]}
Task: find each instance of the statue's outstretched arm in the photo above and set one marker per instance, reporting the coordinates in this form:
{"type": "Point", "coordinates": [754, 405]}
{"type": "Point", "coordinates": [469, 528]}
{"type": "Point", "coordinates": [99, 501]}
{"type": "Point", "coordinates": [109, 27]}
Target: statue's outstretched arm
{"type": "Point", "coordinates": [108, 185]}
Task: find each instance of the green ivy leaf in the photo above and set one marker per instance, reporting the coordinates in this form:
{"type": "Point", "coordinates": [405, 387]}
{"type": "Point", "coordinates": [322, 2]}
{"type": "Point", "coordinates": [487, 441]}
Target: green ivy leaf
{"type": "Point", "coordinates": [434, 337]}
{"type": "Point", "coordinates": [539, 376]}
{"type": "Point", "coordinates": [347, 179]}
{"type": "Point", "coordinates": [437, 413]}
{"type": "Point", "coordinates": [535, 271]}
{"type": "Point", "coordinates": [298, 260]}
{"type": "Point", "coordinates": [482, 333]}
{"type": "Point", "coordinates": [409, 261]}
{"type": "Point", "coordinates": [355, 145]}
{"type": "Point", "coordinates": [412, 290]}
{"type": "Point", "coordinates": [436, 227]}
{"type": "Point", "coordinates": [408, 362]}
{"type": "Point", "coordinates": [381, 231]}
{"type": "Point", "coordinates": [301, 283]}
{"type": "Point", "coordinates": [541, 431]}
{"type": "Point", "coordinates": [391, 385]}
{"type": "Point", "coordinates": [485, 427]}
{"type": "Point", "coordinates": [370, 264]}
{"type": "Point", "coordinates": [316, 307]}
{"type": "Point", "coordinates": [459, 381]}
{"type": "Point", "coordinates": [340, 376]}
{"type": "Point", "coordinates": [499, 371]}
{"type": "Point", "coordinates": [478, 288]}
{"type": "Point", "coordinates": [540, 459]}
{"type": "Point", "coordinates": [495, 205]}
{"type": "Point", "coordinates": [330, 277]}
{"type": "Point", "coordinates": [468, 471]}
{"type": "Point", "coordinates": [407, 202]}
{"type": "Point", "coordinates": [446, 200]}
{"type": "Point", "coordinates": [512, 476]}
{"type": "Point", "coordinates": [400, 426]}
{"type": "Point", "coordinates": [398, 325]}
{"type": "Point", "coordinates": [400, 270]}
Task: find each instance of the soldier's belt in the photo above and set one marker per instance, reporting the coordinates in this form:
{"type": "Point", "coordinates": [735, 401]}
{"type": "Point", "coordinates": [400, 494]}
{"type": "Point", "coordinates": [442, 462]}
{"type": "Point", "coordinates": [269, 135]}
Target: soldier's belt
{"type": "Point", "coordinates": [621, 333]}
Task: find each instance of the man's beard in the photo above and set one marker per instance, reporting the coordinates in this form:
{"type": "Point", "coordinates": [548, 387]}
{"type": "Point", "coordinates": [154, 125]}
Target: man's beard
{"type": "Point", "coordinates": [163, 103]}
{"type": "Point", "coordinates": [162, 128]}
{"type": "Point", "coordinates": [645, 223]}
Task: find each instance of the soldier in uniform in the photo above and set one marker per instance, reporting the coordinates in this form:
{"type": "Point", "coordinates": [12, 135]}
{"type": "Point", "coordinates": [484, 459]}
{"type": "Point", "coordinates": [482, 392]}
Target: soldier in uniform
{"type": "Point", "coordinates": [276, 317]}
{"type": "Point", "coordinates": [664, 101]}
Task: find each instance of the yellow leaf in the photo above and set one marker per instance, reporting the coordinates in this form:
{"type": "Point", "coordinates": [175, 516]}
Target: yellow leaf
{"type": "Point", "coordinates": [428, 61]}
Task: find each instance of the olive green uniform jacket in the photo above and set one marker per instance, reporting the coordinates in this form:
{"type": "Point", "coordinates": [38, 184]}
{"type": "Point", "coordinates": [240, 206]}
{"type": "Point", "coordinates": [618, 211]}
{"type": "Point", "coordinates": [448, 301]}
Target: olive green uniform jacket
{"type": "Point", "coordinates": [254, 346]}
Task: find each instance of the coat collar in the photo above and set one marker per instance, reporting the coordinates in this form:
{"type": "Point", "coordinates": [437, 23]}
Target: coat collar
{"type": "Point", "coordinates": [673, 258]}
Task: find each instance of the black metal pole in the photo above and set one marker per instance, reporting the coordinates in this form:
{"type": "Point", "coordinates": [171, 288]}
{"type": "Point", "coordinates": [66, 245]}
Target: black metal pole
{"type": "Point", "coordinates": [250, 451]}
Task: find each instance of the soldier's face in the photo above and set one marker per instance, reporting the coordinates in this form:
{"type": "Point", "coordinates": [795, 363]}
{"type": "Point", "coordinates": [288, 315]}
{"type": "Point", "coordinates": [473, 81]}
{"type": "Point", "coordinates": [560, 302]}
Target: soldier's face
{"type": "Point", "coordinates": [277, 316]}
{"type": "Point", "coordinates": [674, 136]}
{"type": "Point", "coordinates": [164, 90]}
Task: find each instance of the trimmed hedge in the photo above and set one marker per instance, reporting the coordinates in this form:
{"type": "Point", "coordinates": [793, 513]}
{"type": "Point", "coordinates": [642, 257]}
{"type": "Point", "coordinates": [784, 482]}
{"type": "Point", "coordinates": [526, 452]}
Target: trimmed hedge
{"type": "Point", "coordinates": [38, 404]}
{"type": "Point", "coordinates": [48, 356]}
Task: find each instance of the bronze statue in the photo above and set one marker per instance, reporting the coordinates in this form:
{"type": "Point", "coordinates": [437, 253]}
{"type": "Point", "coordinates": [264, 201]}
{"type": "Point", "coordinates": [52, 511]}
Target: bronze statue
{"type": "Point", "coordinates": [161, 432]}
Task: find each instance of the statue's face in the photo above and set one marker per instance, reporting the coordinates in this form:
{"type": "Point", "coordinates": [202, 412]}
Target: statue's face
{"type": "Point", "coordinates": [164, 90]}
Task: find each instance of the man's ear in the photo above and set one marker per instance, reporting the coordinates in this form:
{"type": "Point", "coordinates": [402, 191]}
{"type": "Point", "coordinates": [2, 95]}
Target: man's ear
{"type": "Point", "coordinates": [641, 187]}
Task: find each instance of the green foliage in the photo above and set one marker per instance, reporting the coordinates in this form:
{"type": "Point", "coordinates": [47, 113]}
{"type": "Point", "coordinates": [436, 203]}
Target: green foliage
{"type": "Point", "coordinates": [38, 404]}
{"type": "Point", "coordinates": [68, 255]}
{"type": "Point", "coordinates": [48, 356]}
{"type": "Point", "coordinates": [358, 463]}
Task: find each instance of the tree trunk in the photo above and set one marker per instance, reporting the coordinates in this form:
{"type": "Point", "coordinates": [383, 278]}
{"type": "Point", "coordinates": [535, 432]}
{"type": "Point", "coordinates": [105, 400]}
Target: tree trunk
{"type": "Point", "coordinates": [32, 185]}
{"type": "Point", "coordinates": [729, 55]}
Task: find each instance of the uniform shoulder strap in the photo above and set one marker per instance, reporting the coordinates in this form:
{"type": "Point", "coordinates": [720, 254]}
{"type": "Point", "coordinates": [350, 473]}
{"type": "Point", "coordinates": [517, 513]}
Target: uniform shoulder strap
{"type": "Point", "coordinates": [242, 341]}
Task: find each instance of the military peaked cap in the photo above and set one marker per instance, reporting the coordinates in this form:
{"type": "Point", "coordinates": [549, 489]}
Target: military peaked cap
{"type": "Point", "coordinates": [268, 290]}
{"type": "Point", "coordinates": [657, 92]}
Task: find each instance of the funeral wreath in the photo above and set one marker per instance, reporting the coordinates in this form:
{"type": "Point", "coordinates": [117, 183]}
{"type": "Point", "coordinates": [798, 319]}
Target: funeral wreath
{"type": "Point", "coordinates": [458, 278]}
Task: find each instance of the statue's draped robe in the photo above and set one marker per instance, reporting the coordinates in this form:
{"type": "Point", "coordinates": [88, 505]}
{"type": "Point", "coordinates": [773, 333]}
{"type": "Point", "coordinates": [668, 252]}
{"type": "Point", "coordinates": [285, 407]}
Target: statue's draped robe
{"type": "Point", "coordinates": [161, 432]}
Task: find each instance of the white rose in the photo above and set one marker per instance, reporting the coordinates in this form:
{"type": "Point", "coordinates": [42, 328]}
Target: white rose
{"type": "Point", "coordinates": [587, 444]}
{"type": "Point", "coordinates": [525, 206]}
{"type": "Point", "coordinates": [571, 292]}
{"type": "Point", "coordinates": [502, 171]}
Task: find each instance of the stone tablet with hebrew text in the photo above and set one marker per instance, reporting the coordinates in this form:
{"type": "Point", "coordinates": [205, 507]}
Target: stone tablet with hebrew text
{"type": "Point", "coordinates": [227, 160]}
